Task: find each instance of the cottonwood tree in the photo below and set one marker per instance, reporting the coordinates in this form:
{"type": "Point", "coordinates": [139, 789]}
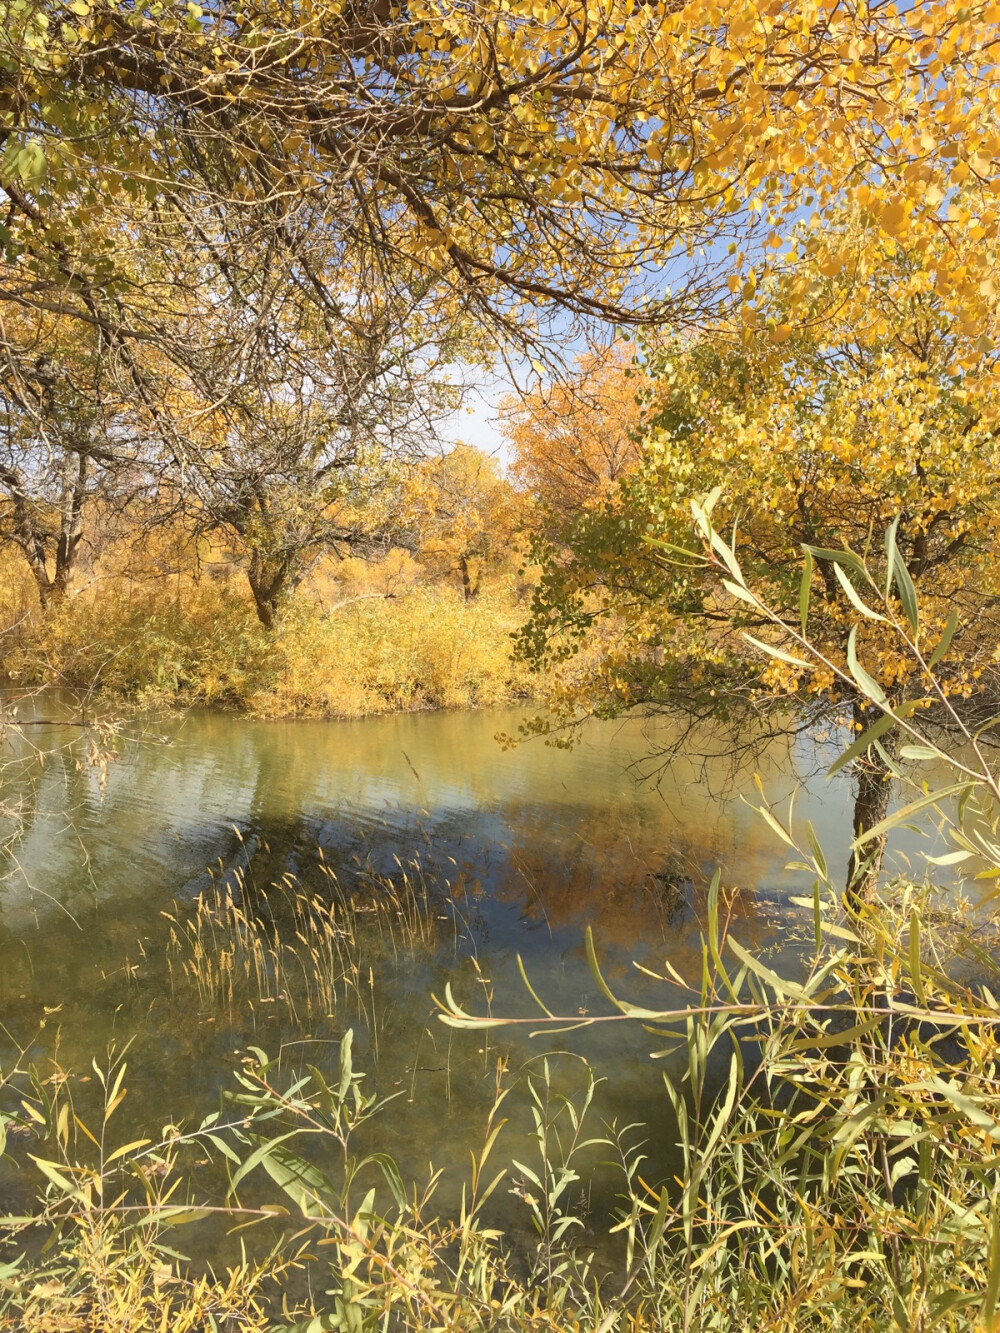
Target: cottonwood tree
{"type": "Point", "coordinates": [532, 160]}
{"type": "Point", "coordinates": [882, 411]}
{"type": "Point", "coordinates": [574, 440]}
{"type": "Point", "coordinates": [459, 514]}
{"type": "Point", "coordinates": [69, 445]}
{"type": "Point", "coordinates": [524, 168]}
{"type": "Point", "coordinates": [300, 450]}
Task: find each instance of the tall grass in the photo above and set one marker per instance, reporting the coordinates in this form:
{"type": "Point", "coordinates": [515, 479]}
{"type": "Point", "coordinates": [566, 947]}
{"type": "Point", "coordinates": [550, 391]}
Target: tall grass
{"type": "Point", "coordinates": [189, 642]}
{"type": "Point", "coordinates": [836, 1130]}
{"type": "Point", "coordinates": [311, 953]}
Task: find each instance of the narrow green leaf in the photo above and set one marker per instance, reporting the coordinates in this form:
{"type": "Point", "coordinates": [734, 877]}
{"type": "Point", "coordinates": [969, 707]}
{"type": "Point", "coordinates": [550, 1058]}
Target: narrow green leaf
{"type": "Point", "coordinates": [531, 990]}
{"type": "Point", "coordinates": [891, 551]}
{"type": "Point", "coordinates": [992, 1292]}
{"type": "Point", "coordinates": [743, 594]}
{"type": "Point", "coordinates": [862, 743]}
{"type": "Point", "coordinates": [805, 589]}
{"type": "Point", "coordinates": [777, 652]}
{"type": "Point", "coordinates": [949, 858]}
{"type": "Point", "coordinates": [970, 1109]}
{"type": "Point", "coordinates": [727, 555]}
{"type": "Point", "coordinates": [776, 983]}
{"type": "Point", "coordinates": [853, 596]}
{"type": "Point", "coordinates": [817, 850]}
{"type": "Point", "coordinates": [51, 1170]}
{"type": "Point", "coordinates": [945, 640]}
{"type": "Point", "coordinates": [916, 974]}
{"type": "Point", "coordinates": [255, 1159]}
{"type": "Point", "coordinates": [869, 685]}
{"type": "Point", "coordinates": [846, 558]}
{"type": "Point", "coordinates": [901, 575]}
{"type": "Point", "coordinates": [902, 815]}
{"type": "Point", "coordinates": [303, 1183]}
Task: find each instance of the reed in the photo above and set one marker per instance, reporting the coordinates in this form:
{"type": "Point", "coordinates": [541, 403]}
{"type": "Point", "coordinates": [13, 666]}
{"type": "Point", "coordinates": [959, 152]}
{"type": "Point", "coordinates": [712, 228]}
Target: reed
{"type": "Point", "coordinates": [313, 954]}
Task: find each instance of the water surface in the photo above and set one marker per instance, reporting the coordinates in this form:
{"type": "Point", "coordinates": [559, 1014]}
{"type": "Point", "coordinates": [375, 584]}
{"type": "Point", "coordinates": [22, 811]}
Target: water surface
{"type": "Point", "coordinates": [527, 847]}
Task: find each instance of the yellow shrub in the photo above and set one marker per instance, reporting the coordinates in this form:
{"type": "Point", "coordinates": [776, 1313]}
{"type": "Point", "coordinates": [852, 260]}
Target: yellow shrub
{"type": "Point", "coordinates": [190, 641]}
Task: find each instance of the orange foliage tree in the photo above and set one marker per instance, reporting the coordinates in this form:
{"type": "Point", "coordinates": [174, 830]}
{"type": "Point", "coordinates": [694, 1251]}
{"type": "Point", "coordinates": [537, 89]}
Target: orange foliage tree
{"type": "Point", "coordinates": [572, 442]}
{"type": "Point", "coordinates": [460, 514]}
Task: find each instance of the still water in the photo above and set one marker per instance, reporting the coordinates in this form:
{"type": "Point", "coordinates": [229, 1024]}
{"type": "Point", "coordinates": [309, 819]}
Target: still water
{"type": "Point", "coordinates": [528, 845]}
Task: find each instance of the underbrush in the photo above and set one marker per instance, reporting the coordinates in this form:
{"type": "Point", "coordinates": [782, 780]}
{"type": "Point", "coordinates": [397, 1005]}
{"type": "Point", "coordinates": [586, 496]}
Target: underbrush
{"type": "Point", "coordinates": [201, 643]}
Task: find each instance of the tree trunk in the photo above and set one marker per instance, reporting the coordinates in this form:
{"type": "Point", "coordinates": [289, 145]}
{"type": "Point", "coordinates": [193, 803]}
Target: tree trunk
{"type": "Point", "coordinates": [468, 587]}
{"type": "Point", "coordinates": [267, 582]}
{"type": "Point", "coordinates": [33, 534]}
{"type": "Point", "coordinates": [872, 794]}
{"type": "Point", "coordinates": [74, 491]}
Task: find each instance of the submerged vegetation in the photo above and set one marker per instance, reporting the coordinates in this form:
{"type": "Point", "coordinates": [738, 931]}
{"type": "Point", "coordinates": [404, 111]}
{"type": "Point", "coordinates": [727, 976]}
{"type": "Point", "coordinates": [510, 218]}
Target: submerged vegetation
{"type": "Point", "coordinates": [311, 953]}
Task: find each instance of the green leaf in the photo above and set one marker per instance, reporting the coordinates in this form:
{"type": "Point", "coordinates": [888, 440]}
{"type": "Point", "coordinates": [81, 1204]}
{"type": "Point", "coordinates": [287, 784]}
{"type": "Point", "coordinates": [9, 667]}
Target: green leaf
{"type": "Point", "coordinates": [777, 652]}
{"type": "Point", "coordinates": [853, 596]}
{"type": "Point", "coordinates": [303, 1183]}
{"type": "Point", "coordinates": [846, 558]}
{"type": "Point", "coordinates": [900, 816]}
{"type": "Point", "coordinates": [916, 973]}
{"type": "Point", "coordinates": [31, 166]}
{"type": "Point", "coordinates": [743, 594]}
{"type": "Point", "coordinates": [901, 575]}
{"type": "Point", "coordinates": [817, 850]}
{"type": "Point", "coordinates": [805, 589]}
{"type": "Point", "coordinates": [771, 979]}
{"type": "Point", "coordinates": [255, 1159]}
{"type": "Point", "coordinates": [869, 685]}
{"type": "Point", "coordinates": [51, 1170]}
{"type": "Point", "coordinates": [992, 1291]}
{"type": "Point", "coordinates": [319, 1323]}
{"type": "Point", "coordinates": [945, 640]}
{"type": "Point", "coordinates": [181, 1216]}
{"type": "Point", "coordinates": [948, 859]}
{"type": "Point", "coordinates": [970, 1109]}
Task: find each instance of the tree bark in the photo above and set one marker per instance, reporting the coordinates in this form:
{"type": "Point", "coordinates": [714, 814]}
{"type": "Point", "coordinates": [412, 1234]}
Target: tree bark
{"type": "Point", "coordinates": [267, 580]}
{"type": "Point", "coordinates": [74, 492]}
{"type": "Point", "coordinates": [52, 567]}
{"type": "Point", "coordinates": [872, 795]}
{"type": "Point", "coordinates": [468, 587]}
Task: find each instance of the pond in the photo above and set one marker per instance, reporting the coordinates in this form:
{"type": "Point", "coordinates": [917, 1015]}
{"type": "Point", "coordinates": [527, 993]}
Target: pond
{"type": "Point", "coordinates": [523, 848]}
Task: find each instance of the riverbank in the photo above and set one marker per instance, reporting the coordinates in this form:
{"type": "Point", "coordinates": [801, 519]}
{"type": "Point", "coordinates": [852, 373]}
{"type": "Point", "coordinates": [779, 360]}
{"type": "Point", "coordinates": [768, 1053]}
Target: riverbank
{"type": "Point", "coordinates": [187, 643]}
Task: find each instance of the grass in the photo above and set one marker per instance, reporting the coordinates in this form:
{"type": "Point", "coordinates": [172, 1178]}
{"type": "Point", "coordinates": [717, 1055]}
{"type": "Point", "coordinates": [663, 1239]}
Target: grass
{"type": "Point", "coordinates": [190, 641]}
{"type": "Point", "coordinates": [311, 953]}
{"type": "Point", "coordinates": [836, 1138]}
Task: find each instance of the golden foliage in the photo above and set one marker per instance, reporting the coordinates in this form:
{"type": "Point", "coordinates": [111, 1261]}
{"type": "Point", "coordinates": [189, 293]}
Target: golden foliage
{"type": "Point", "coordinates": [575, 440]}
{"type": "Point", "coordinates": [882, 404]}
{"type": "Point", "coordinates": [184, 641]}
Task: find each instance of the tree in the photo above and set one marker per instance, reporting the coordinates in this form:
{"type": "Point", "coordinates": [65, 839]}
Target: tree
{"type": "Point", "coordinates": [575, 440]}
{"type": "Point", "coordinates": [460, 514]}
{"type": "Point", "coordinates": [884, 410]}
{"type": "Point", "coordinates": [68, 444]}
{"type": "Point", "coordinates": [531, 160]}
{"type": "Point", "coordinates": [303, 467]}
{"type": "Point", "coordinates": [174, 176]}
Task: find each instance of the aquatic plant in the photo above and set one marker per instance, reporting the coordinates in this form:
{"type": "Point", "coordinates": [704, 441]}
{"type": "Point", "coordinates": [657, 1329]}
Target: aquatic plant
{"type": "Point", "coordinates": [309, 952]}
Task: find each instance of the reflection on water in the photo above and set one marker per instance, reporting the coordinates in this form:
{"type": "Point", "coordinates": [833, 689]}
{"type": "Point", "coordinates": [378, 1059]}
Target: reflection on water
{"type": "Point", "coordinates": [530, 846]}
